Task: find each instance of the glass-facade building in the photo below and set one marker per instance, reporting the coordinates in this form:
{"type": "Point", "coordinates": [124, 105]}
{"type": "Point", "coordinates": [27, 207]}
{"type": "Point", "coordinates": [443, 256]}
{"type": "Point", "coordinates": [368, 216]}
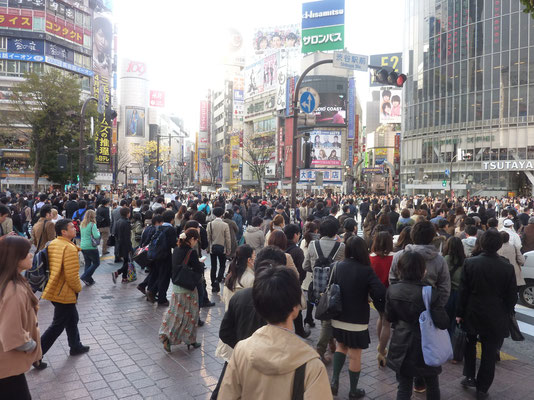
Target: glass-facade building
{"type": "Point", "coordinates": [469, 99]}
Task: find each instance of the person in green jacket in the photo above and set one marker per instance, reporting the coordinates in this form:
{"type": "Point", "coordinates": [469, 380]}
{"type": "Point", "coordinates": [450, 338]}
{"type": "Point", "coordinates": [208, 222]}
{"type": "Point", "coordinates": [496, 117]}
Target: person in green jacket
{"type": "Point", "coordinates": [88, 229]}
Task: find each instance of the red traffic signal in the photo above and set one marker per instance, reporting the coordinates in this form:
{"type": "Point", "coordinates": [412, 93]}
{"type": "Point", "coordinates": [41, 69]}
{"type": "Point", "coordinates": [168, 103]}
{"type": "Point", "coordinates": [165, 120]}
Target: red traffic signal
{"type": "Point", "coordinates": [391, 78]}
{"type": "Point", "coordinates": [401, 79]}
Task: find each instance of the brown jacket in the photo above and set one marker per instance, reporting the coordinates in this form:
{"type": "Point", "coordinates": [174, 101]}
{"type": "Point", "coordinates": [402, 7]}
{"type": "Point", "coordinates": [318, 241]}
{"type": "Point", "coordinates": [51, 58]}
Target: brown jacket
{"type": "Point", "coordinates": [64, 282]}
{"type": "Point", "coordinates": [41, 237]}
{"type": "Point", "coordinates": [18, 324]}
{"type": "Point", "coordinates": [219, 233]}
{"type": "Point", "coordinates": [263, 366]}
{"type": "Point", "coordinates": [527, 238]}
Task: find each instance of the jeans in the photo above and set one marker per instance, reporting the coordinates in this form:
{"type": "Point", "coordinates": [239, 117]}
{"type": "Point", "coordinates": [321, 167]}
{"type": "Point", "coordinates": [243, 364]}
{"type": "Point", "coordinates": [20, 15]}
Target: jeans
{"type": "Point", "coordinates": [92, 261]}
{"type": "Point", "coordinates": [406, 385]}
{"type": "Point", "coordinates": [104, 234]}
{"type": "Point", "coordinates": [65, 318]}
{"type": "Point", "coordinates": [486, 371]}
{"type": "Point", "coordinates": [324, 336]}
{"type": "Point", "coordinates": [222, 266]}
{"type": "Point", "coordinates": [15, 387]}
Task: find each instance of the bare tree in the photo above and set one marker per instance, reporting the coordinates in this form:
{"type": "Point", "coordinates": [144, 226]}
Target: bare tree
{"type": "Point", "coordinates": [213, 166]}
{"type": "Point", "coordinates": [182, 172]}
{"type": "Point", "coordinates": [257, 153]}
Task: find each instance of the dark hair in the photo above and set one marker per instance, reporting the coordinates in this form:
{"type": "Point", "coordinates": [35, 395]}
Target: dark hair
{"type": "Point", "coordinates": [46, 209]}
{"type": "Point", "coordinates": [405, 213]}
{"type": "Point", "coordinates": [62, 225]}
{"type": "Point", "coordinates": [383, 244]}
{"type": "Point", "coordinates": [471, 230]}
{"type": "Point", "coordinates": [493, 223]}
{"type": "Point", "coordinates": [328, 228]}
{"type": "Point", "coordinates": [405, 237]}
{"type": "Point", "coordinates": [13, 249]}
{"type": "Point", "coordinates": [257, 221]}
{"type": "Point", "coordinates": [200, 217]}
{"type": "Point", "coordinates": [168, 216]}
{"type": "Point", "coordinates": [290, 231]}
{"type": "Point", "coordinates": [491, 241]}
{"type": "Point", "coordinates": [191, 224]}
{"type": "Point", "coordinates": [454, 248]}
{"type": "Point", "coordinates": [309, 228]}
{"type": "Point", "coordinates": [384, 220]}
{"type": "Point", "coordinates": [82, 204]}
{"type": "Point", "coordinates": [276, 292]}
{"type": "Point", "coordinates": [349, 225]}
{"type": "Point", "coordinates": [277, 256]}
{"type": "Point", "coordinates": [505, 237]}
{"type": "Point", "coordinates": [395, 98]}
{"type": "Point", "coordinates": [411, 266]}
{"type": "Point", "coordinates": [4, 210]}
{"type": "Point", "coordinates": [157, 218]}
{"type": "Point", "coordinates": [124, 212]}
{"type": "Point", "coordinates": [423, 232]}
{"type": "Point", "coordinates": [386, 93]}
{"type": "Point", "coordinates": [190, 233]}
{"type": "Point", "coordinates": [218, 212]}
{"type": "Point", "coordinates": [278, 238]}
{"type": "Point", "coordinates": [238, 265]}
{"type": "Point", "coordinates": [356, 249]}
{"type": "Point", "coordinates": [334, 210]}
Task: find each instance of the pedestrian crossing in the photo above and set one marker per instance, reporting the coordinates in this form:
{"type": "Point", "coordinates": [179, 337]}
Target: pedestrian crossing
{"type": "Point", "coordinates": [525, 320]}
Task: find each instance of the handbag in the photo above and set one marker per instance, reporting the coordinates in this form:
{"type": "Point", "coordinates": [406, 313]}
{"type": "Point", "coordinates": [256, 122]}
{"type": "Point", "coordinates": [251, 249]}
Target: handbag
{"type": "Point", "coordinates": [140, 256]}
{"type": "Point", "coordinates": [132, 274]}
{"type": "Point", "coordinates": [459, 340]}
{"type": "Point", "coordinates": [515, 332]}
{"type": "Point", "coordinates": [111, 241]}
{"type": "Point", "coordinates": [330, 305]}
{"type": "Point", "coordinates": [184, 276]}
{"type": "Point", "coordinates": [94, 241]}
{"type": "Point", "coordinates": [435, 342]}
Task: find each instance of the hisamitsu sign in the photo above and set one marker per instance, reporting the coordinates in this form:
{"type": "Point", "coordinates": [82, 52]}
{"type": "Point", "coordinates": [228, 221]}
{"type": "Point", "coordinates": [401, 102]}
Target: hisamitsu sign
{"type": "Point", "coordinates": [323, 25]}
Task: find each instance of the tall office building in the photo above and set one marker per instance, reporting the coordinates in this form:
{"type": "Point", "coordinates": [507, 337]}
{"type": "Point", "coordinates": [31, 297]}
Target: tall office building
{"type": "Point", "coordinates": [469, 98]}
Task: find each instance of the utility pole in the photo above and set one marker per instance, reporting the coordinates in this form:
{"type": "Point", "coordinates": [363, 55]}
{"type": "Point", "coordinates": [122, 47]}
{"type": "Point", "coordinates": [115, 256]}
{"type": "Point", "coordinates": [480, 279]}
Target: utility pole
{"type": "Point", "coordinates": [82, 143]}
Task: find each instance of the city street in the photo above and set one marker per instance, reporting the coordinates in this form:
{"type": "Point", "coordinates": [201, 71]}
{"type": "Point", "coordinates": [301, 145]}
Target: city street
{"type": "Point", "coordinates": [126, 359]}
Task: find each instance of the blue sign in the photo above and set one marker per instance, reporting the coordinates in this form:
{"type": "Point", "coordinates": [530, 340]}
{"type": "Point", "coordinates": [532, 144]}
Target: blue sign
{"type": "Point", "coordinates": [447, 172]}
{"type": "Point", "coordinates": [26, 46]}
{"type": "Point", "coordinates": [70, 67]}
{"type": "Point", "coordinates": [379, 161]}
{"type": "Point", "coordinates": [59, 52]}
{"type": "Point", "coordinates": [323, 13]}
{"type": "Point", "coordinates": [307, 102]}
{"type": "Point", "coordinates": [21, 57]}
{"type": "Point", "coordinates": [351, 131]}
{"type": "Point", "coordinates": [351, 156]}
{"type": "Point", "coordinates": [239, 95]}
{"type": "Point", "coordinates": [159, 169]}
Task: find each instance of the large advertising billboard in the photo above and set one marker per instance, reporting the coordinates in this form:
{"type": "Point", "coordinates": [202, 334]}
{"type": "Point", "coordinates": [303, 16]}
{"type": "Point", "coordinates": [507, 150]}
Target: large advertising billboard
{"type": "Point", "coordinates": [329, 175]}
{"type": "Point", "coordinates": [102, 40]}
{"type": "Point", "coordinates": [274, 38]}
{"type": "Point", "coordinates": [392, 60]}
{"type": "Point", "coordinates": [323, 26]}
{"type": "Point", "coordinates": [135, 121]}
{"type": "Point", "coordinates": [326, 150]}
{"type": "Point", "coordinates": [390, 106]}
{"type": "Point", "coordinates": [332, 109]}
{"type": "Point", "coordinates": [204, 115]}
{"type": "Point", "coordinates": [261, 76]}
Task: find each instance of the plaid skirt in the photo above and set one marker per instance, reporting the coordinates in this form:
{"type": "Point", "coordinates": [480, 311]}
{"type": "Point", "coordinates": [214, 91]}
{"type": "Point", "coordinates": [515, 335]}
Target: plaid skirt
{"type": "Point", "coordinates": [180, 322]}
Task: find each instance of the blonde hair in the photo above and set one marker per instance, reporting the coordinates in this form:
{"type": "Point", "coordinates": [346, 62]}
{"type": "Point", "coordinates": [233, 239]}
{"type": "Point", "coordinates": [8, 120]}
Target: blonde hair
{"type": "Point", "coordinates": [54, 213]}
{"type": "Point", "coordinates": [90, 216]}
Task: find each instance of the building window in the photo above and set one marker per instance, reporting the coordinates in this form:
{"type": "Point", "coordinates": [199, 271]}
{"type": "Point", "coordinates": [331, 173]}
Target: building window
{"type": "Point", "coordinates": [38, 24]}
{"type": "Point", "coordinates": [3, 43]}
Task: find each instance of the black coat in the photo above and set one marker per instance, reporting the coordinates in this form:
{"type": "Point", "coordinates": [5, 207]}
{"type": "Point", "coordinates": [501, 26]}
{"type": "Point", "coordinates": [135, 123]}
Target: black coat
{"type": "Point", "coordinates": [404, 305]}
{"type": "Point", "coordinates": [178, 257]}
{"type": "Point", "coordinates": [105, 220]}
{"type": "Point", "coordinates": [357, 282]}
{"type": "Point", "coordinates": [241, 320]}
{"type": "Point", "coordinates": [298, 258]}
{"type": "Point", "coordinates": [123, 235]}
{"type": "Point", "coordinates": [488, 293]}
{"type": "Point", "coordinates": [393, 219]}
{"type": "Point", "coordinates": [70, 207]}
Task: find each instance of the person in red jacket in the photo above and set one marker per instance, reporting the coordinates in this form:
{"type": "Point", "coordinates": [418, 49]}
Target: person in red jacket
{"type": "Point", "coordinates": [381, 259]}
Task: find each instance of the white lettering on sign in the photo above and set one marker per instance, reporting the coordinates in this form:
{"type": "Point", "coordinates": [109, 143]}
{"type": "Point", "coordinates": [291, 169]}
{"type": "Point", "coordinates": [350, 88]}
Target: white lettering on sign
{"type": "Point", "coordinates": [320, 39]}
{"type": "Point", "coordinates": [320, 14]}
{"type": "Point", "coordinates": [138, 68]}
{"type": "Point", "coordinates": [508, 165]}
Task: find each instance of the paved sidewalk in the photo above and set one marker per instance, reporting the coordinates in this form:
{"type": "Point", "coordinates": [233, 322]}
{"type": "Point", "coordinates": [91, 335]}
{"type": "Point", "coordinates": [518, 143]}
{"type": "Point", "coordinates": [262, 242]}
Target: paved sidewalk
{"type": "Point", "coordinates": [127, 360]}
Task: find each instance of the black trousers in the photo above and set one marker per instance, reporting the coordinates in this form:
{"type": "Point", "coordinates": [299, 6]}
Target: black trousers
{"type": "Point", "coordinates": [486, 371]}
{"type": "Point", "coordinates": [222, 266]}
{"type": "Point", "coordinates": [164, 279]}
{"type": "Point", "coordinates": [65, 318]}
{"type": "Point", "coordinates": [405, 387]}
{"type": "Point", "coordinates": [15, 387]}
{"type": "Point", "coordinates": [299, 326]}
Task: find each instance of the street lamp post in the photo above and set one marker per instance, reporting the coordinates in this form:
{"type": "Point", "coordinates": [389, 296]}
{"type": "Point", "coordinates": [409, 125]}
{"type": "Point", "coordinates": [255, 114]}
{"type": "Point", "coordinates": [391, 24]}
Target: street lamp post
{"type": "Point", "coordinates": [82, 142]}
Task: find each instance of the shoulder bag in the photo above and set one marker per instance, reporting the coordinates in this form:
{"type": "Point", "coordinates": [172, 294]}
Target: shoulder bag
{"type": "Point", "coordinates": [184, 276]}
{"type": "Point", "coordinates": [94, 241]}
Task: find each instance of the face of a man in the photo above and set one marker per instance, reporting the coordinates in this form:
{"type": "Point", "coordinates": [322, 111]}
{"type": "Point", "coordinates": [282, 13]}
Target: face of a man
{"type": "Point", "coordinates": [3, 218]}
{"type": "Point", "coordinates": [70, 233]}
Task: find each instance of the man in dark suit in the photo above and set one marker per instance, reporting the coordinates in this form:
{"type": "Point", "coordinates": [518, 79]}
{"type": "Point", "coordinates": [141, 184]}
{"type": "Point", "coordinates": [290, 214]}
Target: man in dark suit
{"type": "Point", "coordinates": [123, 234]}
{"type": "Point", "coordinates": [488, 294]}
{"type": "Point", "coordinates": [364, 210]}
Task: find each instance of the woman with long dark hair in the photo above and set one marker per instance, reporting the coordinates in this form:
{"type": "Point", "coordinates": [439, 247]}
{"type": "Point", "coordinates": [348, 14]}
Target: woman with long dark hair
{"type": "Point", "coordinates": [356, 280]}
{"type": "Point", "coordinates": [20, 343]}
{"type": "Point", "coordinates": [455, 256]}
{"type": "Point", "coordinates": [404, 239]}
{"type": "Point", "coordinates": [181, 319]}
{"type": "Point", "coordinates": [311, 233]}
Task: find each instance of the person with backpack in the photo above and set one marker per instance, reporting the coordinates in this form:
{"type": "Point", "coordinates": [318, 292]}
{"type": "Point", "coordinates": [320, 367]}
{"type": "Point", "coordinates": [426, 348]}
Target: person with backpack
{"type": "Point", "coordinates": [220, 246]}
{"type": "Point", "coordinates": [103, 223]}
{"type": "Point", "coordinates": [321, 255]}
{"type": "Point", "coordinates": [62, 289]}
{"type": "Point", "coordinates": [404, 305]}
{"type": "Point", "coordinates": [204, 207]}
{"type": "Point", "coordinates": [89, 237]}
{"type": "Point", "coordinates": [44, 230]}
{"type": "Point", "coordinates": [274, 363]}
{"type": "Point", "coordinates": [20, 343]}
{"type": "Point", "coordinates": [77, 217]}
{"type": "Point", "coordinates": [71, 206]}
{"type": "Point", "coordinates": [123, 236]}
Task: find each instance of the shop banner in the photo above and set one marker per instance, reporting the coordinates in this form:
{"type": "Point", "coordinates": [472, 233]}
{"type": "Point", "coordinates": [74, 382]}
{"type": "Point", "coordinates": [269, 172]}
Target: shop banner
{"type": "Point", "coordinates": [28, 46]}
{"type": "Point", "coordinates": [157, 98]}
{"type": "Point", "coordinates": [28, 4]}
{"type": "Point", "coordinates": [373, 170]}
{"type": "Point", "coordinates": [203, 116]}
{"type": "Point", "coordinates": [135, 121]}
{"type": "Point", "coordinates": [59, 52]}
{"type": "Point", "coordinates": [326, 148]}
{"type": "Point", "coordinates": [15, 21]}
{"type": "Point", "coordinates": [323, 39]}
{"type": "Point", "coordinates": [66, 30]}
{"type": "Point", "coordinates": [262, 76]}
{"type": "Point", "coordinates": [329, 175]}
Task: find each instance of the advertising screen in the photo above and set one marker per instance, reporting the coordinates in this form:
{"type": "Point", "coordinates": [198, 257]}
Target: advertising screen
{"type": "Point", "coordinates": [135, 122]}
{"type": "Point", "coordinates": [277, 37]}
{"type": "Point", "coordinates": [261, 76]}
{"type": "Point", "coordinates": [326, 150]}
{"type": "Point", "coordinates": [332, 109]}
{"type": "Point", "coordinates": [390, 106]}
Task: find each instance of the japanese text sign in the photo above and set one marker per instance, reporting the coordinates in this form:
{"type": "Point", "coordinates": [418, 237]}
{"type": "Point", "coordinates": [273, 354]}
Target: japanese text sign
{"type": "Point", "coordinates": [157, 98]}
{"type": "Point", "coordinates": [355, 62]}
{"type": "Point", "coordinates": [59, 27]}
{"type": "Point", "coordinates": [15, 21]}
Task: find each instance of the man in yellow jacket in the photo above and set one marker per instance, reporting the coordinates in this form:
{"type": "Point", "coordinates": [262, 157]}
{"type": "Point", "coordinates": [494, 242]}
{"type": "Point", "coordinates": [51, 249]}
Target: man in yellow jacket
{"type": "Point", "coordinates": [62, 289]}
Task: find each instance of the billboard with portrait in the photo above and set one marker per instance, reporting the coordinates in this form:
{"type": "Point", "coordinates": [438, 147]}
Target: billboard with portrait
{"type": "Point", "coordinates": [390, 106]}
{"type": "Point", "coordinates": [332, 109]}
{"type": "Point", "coordinates": [326, 150]}
{"type": "Point", "coordinates": [135, 122]}
{"type": "Point", "coordinates": [262, 76]}
{"type": "Point", "coordinates": [270, 39]}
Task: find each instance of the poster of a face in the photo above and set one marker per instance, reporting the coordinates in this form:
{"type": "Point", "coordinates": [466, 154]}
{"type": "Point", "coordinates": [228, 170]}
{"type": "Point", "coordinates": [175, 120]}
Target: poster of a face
{"type": "Point", "coordinates": [274, 38]}
{"type": "Point", "coordinates": [135, 122]}
{"type": "Point", "coordinates": [390, 106]}
{"type": "Point", "coordinates": [326, 148]}
{"type": "Point", "coordinates": [102, 39]}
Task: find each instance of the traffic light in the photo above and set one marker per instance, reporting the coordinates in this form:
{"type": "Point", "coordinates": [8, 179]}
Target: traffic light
{"type": "Point", "coordinates": [62, 162]}
{"type": "Point", "coordinates": [387, 77]}
{"type": "Point", "coordinates": [308, 146]}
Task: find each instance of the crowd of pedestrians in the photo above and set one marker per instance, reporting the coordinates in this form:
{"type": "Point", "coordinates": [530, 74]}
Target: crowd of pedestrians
{"type": "Point", "coordinates": [274, 267]}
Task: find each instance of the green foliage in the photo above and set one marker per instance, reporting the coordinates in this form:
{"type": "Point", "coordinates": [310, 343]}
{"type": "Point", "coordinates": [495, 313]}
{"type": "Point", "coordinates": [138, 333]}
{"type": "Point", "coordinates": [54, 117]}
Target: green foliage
{"type": "Point", "coordinates": [529, 7]}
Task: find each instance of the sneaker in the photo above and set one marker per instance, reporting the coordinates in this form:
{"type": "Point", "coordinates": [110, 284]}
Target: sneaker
{"type": "Point", "coordinates": [310, 323]}
{"type": "Point", "coordinates": [304, 334]}
{"type": "Point", "coordinates": [200, 322]}
{"type": "Point", "coordinates": [468, 382]}
{"type": "Point", "coordinates": [79, 350]}
{"type": "Point", "coordinates": [124, 280]}
{"type": "Point", "coordinates": [481, 395]}
{"type": "Point", "coordinates": [114, 277]}
{"type": "Point", "coordinates": [87, 282]}
{"type": "Point", "coordinates": [419, 389]}
{"type": "Point", "coordinates": [358, 394]}
{"type": "Point", "coordinates": [150, 297]}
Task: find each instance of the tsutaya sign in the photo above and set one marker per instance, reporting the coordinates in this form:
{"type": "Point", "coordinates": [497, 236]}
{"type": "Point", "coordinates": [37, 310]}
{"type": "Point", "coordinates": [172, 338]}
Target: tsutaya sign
{"type": "Point", "coordinates": [519, 165]}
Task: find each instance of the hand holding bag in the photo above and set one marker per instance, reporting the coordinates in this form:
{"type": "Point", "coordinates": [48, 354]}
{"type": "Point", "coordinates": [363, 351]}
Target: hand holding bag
{"type": "Point", "coordinates": [515, 333]}
{"type": "Point", "coordinates": [94, 241]}
{"type": "Point", "coordinates": [459, 340]}
{"type": "Point", "coordinates": [140, 256]}
{"type": "Point", "coordinates": [184, 276]}
{"type": "Point", "coordinates": [330, 305]}
{"type": "Point", "coordinates": [132, 274]}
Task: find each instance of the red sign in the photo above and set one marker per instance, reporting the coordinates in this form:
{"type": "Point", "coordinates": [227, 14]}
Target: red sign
{"type": "Point", "coordinates": [157, 98]}
{"type": "Point", "coordinates": [288, 156]}
{"type": "Point", "coordinates": [203, 116]}
{"type": "Point", "coordinates": [136, 67]}
{"type": "Point", "coordinates": [15, 21]}
{"type": "Point", "coordinates": [280, 144]}
{"type": "Point", "coordinates": [66, 30]}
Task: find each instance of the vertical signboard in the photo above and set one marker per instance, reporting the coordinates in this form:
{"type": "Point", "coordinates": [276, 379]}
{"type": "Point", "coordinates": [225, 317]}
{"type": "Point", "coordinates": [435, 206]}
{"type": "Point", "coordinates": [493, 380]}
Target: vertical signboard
{"type": "Point", "coordinates": [351, 109]}
{"type": "Point", "coordinates": [157, 98]}
{"type": "Point", "coordinates": [235, 157]}
{"type": "Point", "coordinates": [103, 34]}
{"type": "Point", "coordinates": [323, 25]}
